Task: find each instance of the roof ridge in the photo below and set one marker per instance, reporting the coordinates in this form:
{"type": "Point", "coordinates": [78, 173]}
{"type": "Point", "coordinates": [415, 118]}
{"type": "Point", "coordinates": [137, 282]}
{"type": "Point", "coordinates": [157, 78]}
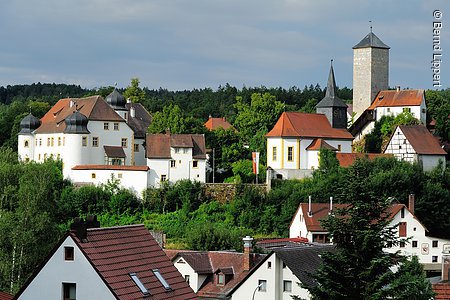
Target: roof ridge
{"type": "Point", "coordinates": [117, 227]}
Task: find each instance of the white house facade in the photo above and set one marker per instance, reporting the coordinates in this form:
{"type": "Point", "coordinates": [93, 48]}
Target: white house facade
{"type": "Point", "coordinates": [415, 144]}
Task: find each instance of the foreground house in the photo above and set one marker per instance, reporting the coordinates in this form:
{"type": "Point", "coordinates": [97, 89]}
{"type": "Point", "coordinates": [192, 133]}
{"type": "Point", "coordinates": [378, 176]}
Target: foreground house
{"type": "Point", "coordinates": [5, 296]}
{"type": "Point", "coordinates": [106, 263]}
{"type": "Point", "coordinates": [306, 223]}
{"type": "Point", "coordinates": [415, 144]}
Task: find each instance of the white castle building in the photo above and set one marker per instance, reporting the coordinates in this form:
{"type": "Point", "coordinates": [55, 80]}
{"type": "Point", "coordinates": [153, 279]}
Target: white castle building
{"type": "Point", "coordinates": [97, 139]}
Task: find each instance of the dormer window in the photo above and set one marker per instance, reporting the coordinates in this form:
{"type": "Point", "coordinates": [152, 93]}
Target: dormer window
{"type": "Point", "coordinates": [220, 279]}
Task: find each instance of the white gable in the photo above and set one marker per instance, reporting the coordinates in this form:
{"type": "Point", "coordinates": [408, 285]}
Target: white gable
{"type": "Point", "coordinates": [48, 283]}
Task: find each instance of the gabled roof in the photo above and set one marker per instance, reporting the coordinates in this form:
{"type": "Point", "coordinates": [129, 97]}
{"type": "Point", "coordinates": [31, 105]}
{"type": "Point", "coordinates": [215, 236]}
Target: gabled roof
{"type": "Point", "coordinates": [141, 120]}
{"type": "Point", "coordinates": [213, 262]}
{"type": "Point", "coordinates": [392, 98]}
{"type": "Point", "coordinates": [320, 211]}
{"type": "Point", "coordinates": [331, 99]}
{"type": "Point", "coordinates": [422, 141]}
{"type": "Point", "coordinates": [318, 144]}
{"type": "Point", "coordinates": [214, 123]}
{"type": "Point", "coordinates": [5, 296]}
{"type": "Point", "coordinates": [348, 159]}
{"type": "Point", "coordinates": [94, 108]}
{"type": "Point", "coordinates": [115, 252]}
{"type": "Point", "coordinates": [296, 124]}
{"type": "Point", "coordinates": [371, 41]}
{"type": "Point", "coordinates": [158, 145]}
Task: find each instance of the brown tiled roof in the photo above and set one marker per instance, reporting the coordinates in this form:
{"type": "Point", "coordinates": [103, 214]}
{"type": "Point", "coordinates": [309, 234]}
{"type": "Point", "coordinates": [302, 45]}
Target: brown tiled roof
{"type": "Point", "coordinates": [212, 261]}
{"type": "Point", "coordinates": [158, 145]}
{"type": "Point", "coordinates": [94, 108]}
{"type": "Point", "coordinates": [442, 290]}
{"type": "Point", "coordinates": [296, 124]}
{"type": "Point", "coordinates": [116, 252]}
{"type": "Point", "coordinates": [422, 140]}
{"type": "Point", "coordinates": [389, 98]}
{"type": "Point", "coordinates": [214, 123]}
{"type": "Point", "coordinates": [114, 151]}
{"type": "Point", "coordinates": [142, 119]}
{"type": "Point", "coordinates": [318, 144]}
{"type": "Point", "coordinates": [111, 167]}
{"type": "Point", "coordinates": [348, 159]}
{"type": "Point", "coordinates": [5, 296]}
{"type": "Point", "coordinates": [320, 211]}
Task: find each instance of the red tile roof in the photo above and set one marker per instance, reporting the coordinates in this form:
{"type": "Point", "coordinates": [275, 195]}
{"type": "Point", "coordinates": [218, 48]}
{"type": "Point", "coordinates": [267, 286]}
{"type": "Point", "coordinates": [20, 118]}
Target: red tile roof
{"type": "Point", "coordinates": [111, 167]}
{"type": "Point", "coordinates": [389, 98]}
{"type": "Point", "coordinates": [211, 262]}
{"type": "Point", "coordinates": [348, 159]}
{"type": "Point", "coordinates": [94, 108]}
{"type": "Point", "coordinates": [442, 290]}
{"type": "Point", "coordinates": [320, 211]}
{"type": "Point", "coordinates": [422, 140]}
{"type": "Point", "coordinates": [214, 123]}
{"type": "Point", "coordinates": [158, 145]}
{"type": "Point", "coordinates": [116, 252]}
{"type": "Point", "coordinates": [296, 124]}
{"type": "Point", "coordinates": [5, 296]}
{"type": "Point", "coordinates": [318, 144]}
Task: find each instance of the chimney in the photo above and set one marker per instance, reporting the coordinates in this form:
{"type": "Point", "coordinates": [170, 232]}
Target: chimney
{"type": "Point", "coordinates": [397, 88]}
{"type": "Point", "coordinates": [247, 253]}
{"type": "Point", "coordinates": [309, 206]}
{"type": "Point", "coordinates": [411, 202]}
{"type": "Point", "coordinates": [71, 103]}
{"type": "Point", "coordinates": [80, 227]}
{"type": "Point", "coordinates": [132, 112]}
{"type": "Point", "coordinates": [331, 205]}
{"type": "Point", "coordinates": [445, 267]}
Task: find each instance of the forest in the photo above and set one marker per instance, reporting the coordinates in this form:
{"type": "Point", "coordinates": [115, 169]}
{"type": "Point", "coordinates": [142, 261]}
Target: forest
{"type": "Point", "coordinates": [37, 205]}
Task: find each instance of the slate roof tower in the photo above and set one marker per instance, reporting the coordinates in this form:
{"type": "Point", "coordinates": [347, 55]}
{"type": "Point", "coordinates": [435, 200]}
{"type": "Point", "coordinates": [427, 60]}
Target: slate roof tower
{"type": "Point", "coordinates": [331, 105]}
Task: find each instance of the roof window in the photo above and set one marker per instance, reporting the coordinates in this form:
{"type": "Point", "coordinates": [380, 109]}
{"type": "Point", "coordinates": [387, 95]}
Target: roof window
{"type": "Point", "coordinates": [139, 284]}
{"type": "Point", "coordinates": [161, 279]}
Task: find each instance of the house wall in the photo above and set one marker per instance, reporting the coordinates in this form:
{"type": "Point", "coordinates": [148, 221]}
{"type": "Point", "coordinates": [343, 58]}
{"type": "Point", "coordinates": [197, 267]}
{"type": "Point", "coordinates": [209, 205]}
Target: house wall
{"type": "Point", "coordinates": [429, 162]}
{"type": "Point", "coordinates": [274, 277]}
{"type": "Point", "coordinates": [135, 181]}
{"type": "Point", "coordinates": [394, 111]}
{"type": "Point", "coordinates": [298, 226]}
{"type": "Point", "coordinates": [48, 283]}
{"type": "Point", "coordinates": [139, 156]}
{"type": "Point", "coordinates": [400, 147]}
{"type": "Point", "coordinates": [195, 280]}
{"type": "Point", "coordinates": [26, 147]}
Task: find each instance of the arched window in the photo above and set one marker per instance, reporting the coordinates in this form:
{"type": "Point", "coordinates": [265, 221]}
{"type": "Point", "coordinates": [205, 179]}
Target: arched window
{"type": "Point", "coordinates": [26, 144]}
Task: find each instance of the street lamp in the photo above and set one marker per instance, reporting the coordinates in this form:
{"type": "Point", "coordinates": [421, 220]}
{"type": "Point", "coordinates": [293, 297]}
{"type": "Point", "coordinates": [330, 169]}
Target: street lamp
{"type": "Point", "coordinates": [259, 285]}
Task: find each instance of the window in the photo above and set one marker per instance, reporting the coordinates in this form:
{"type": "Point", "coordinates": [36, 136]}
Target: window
{"type": "Point", "coordinates": [339, 148]}
{"type": "Point", "coordinates": [139, 284]}
{"type": "Point", "coordinates": [59, 141]}
{"type": "Point", "coordinates": [424, 110]}
{"type": "Point", "coordinates": [106, 126]}
{"type": "Point", "coordinates": [116, 126]}
{"type": "Point", "coordinates": [177, 150]}
{"type": "Point", "coordinates": [402, 213]}
{"type": "Point", "coordinates": [64, 140]}
{"type": "Point", "coordinates": [25, 144]}
{"type": "Point", "coordinates": [402, 229]}
{"type": "Point", "coordinates": [124, 142]}
{"type": "Point", "coordinates": [172, 163]}
{"type": "Point", "coordinates": [136, 147]}
{"type": "Point", "coordinates": [163, 177]}
{"type": "Point", "coordinates": [221, 279]}
{"type": "Point", "coordinates": [69, 291]}
{"type": "Point", "coordinates": [119, 175]}
{"type": "Point", "coordinates": [48, 142]}
{"type": "Point", "coordinates": [52, 142]}
{"type": "Point", "coordinates": [434, 244]}
{"type": "Point", "coordinates": [402, 244]}
{"type": "Point", "coordinates": [39, 156]}
{"type": "Point", "coordinates": [187, 278]}
{"type": "Point", "coordinates": [274, 153]}
{"type": "Point", "coordinates": [116, 161]}
{"type": "Point", "coordinates": [195, 164]}
{"type": "Point", "coordinates": [262, 285]}
{"type": "Point", "coordinates": [68, 253]}
{"type": "Point", "coordinates": [290, 156]}
{"type": "Point", "coordinates": [269, 265]}
{"type": "Point", "coordinates": [287, 286]}
{"type": "Point", "coordinates": [185, 150]}
{"type": "Point", "coordinates": [407, 109]}
{"type": "Point", "coordinates": [40, 142]}
{"type": "Point", "coordinates": [388, 109]}
{"type": "Point", "coordinates": [434, 259]}
{"type": "Point", "coordinates": [93, 175]}
{"type": "Point", "coordinates": [95, 141]}
{"type": "Point", "coordinates": [84, 141]}
{"type": "Point", "coordinates": [161, 279]}
{"type": "Point", "coordinates": [414, 244]}
{"type": "Point", "coordinates": [37, 142]}
{"type": "Point", "coordinates": [125, 116]}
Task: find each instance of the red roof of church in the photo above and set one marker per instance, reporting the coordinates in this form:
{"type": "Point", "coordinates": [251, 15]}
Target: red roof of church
{"type": "Point", "coordinates": [214, 123]}
{"type": "Point", "coordinates": [296, 124]}
{"type": "Point", "coordinates": [391, 98]}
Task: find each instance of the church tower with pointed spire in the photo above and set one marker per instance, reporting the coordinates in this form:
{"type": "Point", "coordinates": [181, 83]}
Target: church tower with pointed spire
{"type": "Point", "coordinates": [331, 105]}
{"type": "Point", "coordinates": [370, 71]}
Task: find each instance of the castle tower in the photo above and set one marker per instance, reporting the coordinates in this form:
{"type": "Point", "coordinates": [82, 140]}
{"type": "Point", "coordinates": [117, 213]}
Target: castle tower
{"type": "Point", "coordinates": [370, 71]}
{"type": "Point", "coordinates": [331, 105]}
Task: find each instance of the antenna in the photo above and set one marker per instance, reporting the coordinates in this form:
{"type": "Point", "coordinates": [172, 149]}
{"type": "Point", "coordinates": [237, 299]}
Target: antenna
{"type": "Point", "coordinates": [331, 62]}
{"type": "Point", "coordinates": [370, 22]}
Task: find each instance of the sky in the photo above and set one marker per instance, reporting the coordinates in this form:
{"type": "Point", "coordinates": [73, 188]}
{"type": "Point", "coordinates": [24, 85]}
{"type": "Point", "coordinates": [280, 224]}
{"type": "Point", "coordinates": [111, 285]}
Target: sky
{"type": "Point", "coordinates": [187, 44]}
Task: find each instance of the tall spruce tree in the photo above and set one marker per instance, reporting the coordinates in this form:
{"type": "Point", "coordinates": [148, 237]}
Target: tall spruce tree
{"type": "Point", "coordinates": [359, 268]}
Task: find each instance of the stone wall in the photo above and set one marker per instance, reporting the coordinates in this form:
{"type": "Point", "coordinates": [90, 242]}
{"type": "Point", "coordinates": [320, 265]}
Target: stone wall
{"type": "Point", "coordinates": [224, 192]}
